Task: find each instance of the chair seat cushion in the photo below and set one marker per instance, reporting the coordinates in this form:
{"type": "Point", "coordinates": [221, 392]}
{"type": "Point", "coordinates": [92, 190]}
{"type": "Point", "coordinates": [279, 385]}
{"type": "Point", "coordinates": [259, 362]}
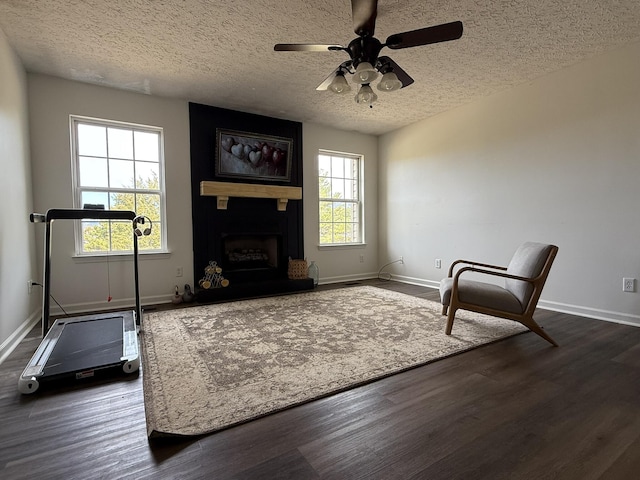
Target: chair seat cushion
{"type": "Point", "coordinates": [480, 293]}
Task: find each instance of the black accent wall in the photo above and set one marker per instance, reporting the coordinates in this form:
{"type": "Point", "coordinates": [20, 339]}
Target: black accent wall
{"type": "Point", "coordinates": [243, 215]}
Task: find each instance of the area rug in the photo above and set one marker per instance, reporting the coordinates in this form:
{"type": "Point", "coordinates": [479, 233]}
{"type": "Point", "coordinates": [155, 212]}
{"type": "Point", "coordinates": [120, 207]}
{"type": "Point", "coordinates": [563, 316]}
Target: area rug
{"type": "Point", "coordinates": [209, 367]}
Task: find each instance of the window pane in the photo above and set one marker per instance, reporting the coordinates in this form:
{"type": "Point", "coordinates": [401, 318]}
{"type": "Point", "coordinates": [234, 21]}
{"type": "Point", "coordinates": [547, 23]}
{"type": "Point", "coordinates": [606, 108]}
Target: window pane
{"type": "Point", "coordinates": [324, 187]}
{"type": "Point", "coordinates": [351, 189]}
{"type": "Point", "coordinates": [92, 140]}
{"type": "Point", "coordinates": [94, 198]}
{"type": "Point", "coordinates": [349, 168]}
{"type": "Point", "coordinates": [147, 175]}
{"type": "Point", "coordinates": [120, 143]}
{"type": "Point", "coordinates": [152, 241]}
{"type": "Point", "coordinates": [324, 165]}
{"type": "Point", "coordinates": [95, 236]}
{"type": "Point", "coordinates": [147, 146]}
{"type": "Point", "coordinates": [337, 167]}
{"type": "Point", "coordinates": [337, 188]}
{"type": "Point", "coordinates": [326, 233]}
{"type": "Point", "coordinates": [148, 204]}
{"type": "Point", "coordinates": [120, 174]}
{"type": "Point", "coordinates": [338, 233]}
{"type": "Point", "coordinates": [93, 172]}
{"type": "Point", "coordinates": [122, 201]}
{"type": "Point", "coordinates": [121, 236]}
{"type": "Point", "coordinates": [348, 214]}
{"type": "Point", "coordinates": [326, 211]}
{"type": "Point", "coordinates": [338, 211]}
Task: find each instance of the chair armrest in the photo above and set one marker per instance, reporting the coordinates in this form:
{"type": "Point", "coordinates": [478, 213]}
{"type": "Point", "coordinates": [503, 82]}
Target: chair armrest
{"type": "Point", "coordinates": [494, 273]}
{"type": "Point", "coordinates": [474, 264]}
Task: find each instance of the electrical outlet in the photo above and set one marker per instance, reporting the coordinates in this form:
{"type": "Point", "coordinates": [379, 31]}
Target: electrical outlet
{"type": "Point", "coordinates": [438, 263]}
{"type": "Point", "coordinates": [30, 284]}
{"type": "Point", "coordinates": [361, 258]}
{"type": "Point", "coordinates": [402, 259]}
{"type": "Point", "coordinates": [628, 284]}
{"type": "Point", "coordinates": [179, 271]}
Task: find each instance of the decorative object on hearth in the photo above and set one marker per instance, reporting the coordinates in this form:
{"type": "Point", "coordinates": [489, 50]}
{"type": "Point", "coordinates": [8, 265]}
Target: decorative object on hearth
{"type": "Point", "coordinates": [177, 298]}
{"type": "Point", "coordinates": [314, 273]}
{"type": "Point", "coordinates": [298, 269]}
{"type": "Point", "coordinates": [251, 155]}
{"type": "Point", "coordinates": [187, 295]}
{"type": "Point", "coordinates": [213, 366]}
{"type": "Point", "coordinates": [365, 65]}
{"type": "Point", "coordinates": [213, 277]}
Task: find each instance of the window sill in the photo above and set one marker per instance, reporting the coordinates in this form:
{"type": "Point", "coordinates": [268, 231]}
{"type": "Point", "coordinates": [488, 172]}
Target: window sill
{"type": "Point", "coordinates": [341, 246]}
{"type": "Point", "coordinates": [119, 257]}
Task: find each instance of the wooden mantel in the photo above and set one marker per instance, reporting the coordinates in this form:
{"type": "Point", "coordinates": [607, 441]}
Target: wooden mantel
{"type": "Point", "coordinates": [224, 190]}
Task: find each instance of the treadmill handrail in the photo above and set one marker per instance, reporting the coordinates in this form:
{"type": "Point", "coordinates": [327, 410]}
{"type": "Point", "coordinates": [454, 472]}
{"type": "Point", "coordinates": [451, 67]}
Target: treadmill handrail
{"type": "Point", "coordinates": [80, 214]}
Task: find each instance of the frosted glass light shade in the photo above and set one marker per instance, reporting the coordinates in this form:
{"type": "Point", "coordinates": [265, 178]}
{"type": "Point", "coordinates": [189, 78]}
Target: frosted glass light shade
{"type": "Point", "coordinates": [339, 84]}
{"type": "Point", "coordinates": [365, 73]}
{"type": "Point", "coordinates": [366, 95]}
{"type": "Point", "coordinates": [389, 82]}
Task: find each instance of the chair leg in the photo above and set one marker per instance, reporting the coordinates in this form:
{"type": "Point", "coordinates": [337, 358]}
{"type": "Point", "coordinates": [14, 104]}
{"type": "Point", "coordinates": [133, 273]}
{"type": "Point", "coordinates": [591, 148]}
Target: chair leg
{"type": "Point", "coordinates": [531, 324]}
{"type": "Point", "coordinates": [444, 309]}
{"type": "Point", "coordinates": [450, 318]}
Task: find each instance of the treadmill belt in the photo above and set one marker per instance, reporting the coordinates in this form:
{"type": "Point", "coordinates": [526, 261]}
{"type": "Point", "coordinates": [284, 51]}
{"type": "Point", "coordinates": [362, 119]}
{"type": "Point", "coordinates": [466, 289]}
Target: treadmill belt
{"type": "Point", "coordinates": [86, 344]}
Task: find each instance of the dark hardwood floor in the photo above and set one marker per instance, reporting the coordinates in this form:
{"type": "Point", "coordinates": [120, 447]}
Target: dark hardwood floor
{"type": "Point", "coordinates": [517, 409]}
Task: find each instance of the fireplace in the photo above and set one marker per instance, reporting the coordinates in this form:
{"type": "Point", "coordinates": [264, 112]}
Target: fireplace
{"type": "Point", "coordinates": [249, 227]}
{"type": "Point", "coordinates": [251, 255]}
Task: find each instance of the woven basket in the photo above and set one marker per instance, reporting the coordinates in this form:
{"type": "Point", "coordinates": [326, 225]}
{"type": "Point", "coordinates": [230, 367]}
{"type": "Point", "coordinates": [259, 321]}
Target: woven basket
{"type": "Point", "coordinates": [298, 269]}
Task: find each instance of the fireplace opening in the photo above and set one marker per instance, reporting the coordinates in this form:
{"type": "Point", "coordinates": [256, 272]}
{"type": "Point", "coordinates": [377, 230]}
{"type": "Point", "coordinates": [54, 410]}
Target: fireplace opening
{"type": "Point", "coordinates": [251, 252]}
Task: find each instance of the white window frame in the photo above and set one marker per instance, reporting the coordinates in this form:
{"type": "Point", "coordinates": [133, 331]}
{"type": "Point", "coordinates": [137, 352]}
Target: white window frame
{"type": "Point", "coordinates": [74, 121]}
{"type": "Point", "coordinates": [358, 202]}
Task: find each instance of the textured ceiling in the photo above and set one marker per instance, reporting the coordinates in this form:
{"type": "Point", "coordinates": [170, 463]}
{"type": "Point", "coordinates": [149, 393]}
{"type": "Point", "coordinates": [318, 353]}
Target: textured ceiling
{"type": "Point", "coordinates": [221, 53]}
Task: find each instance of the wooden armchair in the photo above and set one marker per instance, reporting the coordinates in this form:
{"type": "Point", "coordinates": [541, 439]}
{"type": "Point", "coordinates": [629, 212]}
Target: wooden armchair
{"type": "Point", "coordinates": [524, 279]}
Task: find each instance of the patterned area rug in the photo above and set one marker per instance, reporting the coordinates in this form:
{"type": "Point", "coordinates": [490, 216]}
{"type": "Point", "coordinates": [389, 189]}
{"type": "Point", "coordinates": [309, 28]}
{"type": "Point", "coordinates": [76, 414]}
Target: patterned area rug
{"type": "Point", "coordinates": [209, 367]}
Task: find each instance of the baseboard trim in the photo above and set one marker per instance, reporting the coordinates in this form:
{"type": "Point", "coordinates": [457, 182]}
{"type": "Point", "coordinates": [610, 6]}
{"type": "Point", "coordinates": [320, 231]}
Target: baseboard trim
{"type": "Point", "coordinates": [120, 304]}
{"type": "Point", "coordinates": [595, 313]}
{"type": "Point", "coordinates": [12, 342]}
{"type": "Point", "coordinates": [588, 312]}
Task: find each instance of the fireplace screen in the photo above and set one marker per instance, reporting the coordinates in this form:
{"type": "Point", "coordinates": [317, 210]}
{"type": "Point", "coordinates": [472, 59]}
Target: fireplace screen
{"type": "Point", "coordinates": [250, 252]}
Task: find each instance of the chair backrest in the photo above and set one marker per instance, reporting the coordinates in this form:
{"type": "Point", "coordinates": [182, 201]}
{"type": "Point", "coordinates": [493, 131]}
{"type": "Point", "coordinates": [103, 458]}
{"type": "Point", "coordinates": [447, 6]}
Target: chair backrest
{"type": "Point", "coordinates": [528, 261]}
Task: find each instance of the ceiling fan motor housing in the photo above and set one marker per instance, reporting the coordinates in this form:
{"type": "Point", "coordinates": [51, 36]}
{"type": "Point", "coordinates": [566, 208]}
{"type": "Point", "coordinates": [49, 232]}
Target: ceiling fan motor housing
{"type": "Point", "coordinates": [364, 49]}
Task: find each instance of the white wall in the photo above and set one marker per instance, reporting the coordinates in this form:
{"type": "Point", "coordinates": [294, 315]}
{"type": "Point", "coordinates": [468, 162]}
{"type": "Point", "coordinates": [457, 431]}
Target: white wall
{"type": "Point", "coordinates": [339, 264]}
{"type": "Point", "coordinates": [557, 160]}
{"type": "Point", "coordinates": [82, 285]}
{"type": "Point", "coordinates": [18, 310]}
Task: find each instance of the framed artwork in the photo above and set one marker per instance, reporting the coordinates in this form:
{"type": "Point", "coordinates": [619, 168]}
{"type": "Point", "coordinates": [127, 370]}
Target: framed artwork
{"type": "Point", "coordinates": [253, 156]}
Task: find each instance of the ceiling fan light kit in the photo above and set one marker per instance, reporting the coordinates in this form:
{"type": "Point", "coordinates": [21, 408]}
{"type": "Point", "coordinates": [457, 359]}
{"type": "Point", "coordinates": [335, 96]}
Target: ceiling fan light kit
{"type": "Point", "coordinates": [339, 84]}
{"type": "Point", "coordinates": [365, 64]}
{"type": "Point", "coordinates": [365, 73]}
{"type": "Point", "coordinates": [389, 82]}
{"type": "Point", "coordinates": [366, 95]}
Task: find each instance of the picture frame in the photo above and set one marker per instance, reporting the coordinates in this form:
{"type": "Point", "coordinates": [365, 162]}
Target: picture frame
{"type": "Point", "coordinates": [253, 156]}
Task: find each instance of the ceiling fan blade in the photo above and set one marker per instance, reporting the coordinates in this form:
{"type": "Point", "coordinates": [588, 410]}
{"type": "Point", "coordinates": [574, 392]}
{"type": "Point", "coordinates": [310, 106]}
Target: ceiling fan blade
{"type": "Point", "coordinates": [325, 85]}
{"type": "Point", "coordinates": [386, 63]}
{"type": "Point", "coordinates": [364, 13]}
{"type": "Point", "coordinates": [306, 47]}
{"type": "Point", "coordinates": [425, 36]}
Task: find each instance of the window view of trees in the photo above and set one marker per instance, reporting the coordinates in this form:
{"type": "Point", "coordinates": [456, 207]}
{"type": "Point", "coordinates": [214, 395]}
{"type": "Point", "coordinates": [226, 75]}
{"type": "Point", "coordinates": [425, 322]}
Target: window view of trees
{"type": "Point", "coordinates": [117, 236]}
{"type": "Point", "coordinates": [339, 192]}
{"type": "Point", "coordinates": [117, 166]}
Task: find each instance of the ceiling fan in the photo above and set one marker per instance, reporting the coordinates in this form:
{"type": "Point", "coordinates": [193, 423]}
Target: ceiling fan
{"type": "Point", "coordinates": [365, 63]}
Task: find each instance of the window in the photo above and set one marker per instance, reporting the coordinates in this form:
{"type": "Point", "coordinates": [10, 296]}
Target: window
{"type": "Point", "coordinates": [339, 186]}
{"type": "Point", "coordinates": [121, 167]}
